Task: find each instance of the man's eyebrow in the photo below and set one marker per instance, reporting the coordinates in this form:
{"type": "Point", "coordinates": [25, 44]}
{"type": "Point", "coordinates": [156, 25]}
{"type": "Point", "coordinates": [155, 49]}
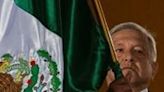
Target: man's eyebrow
{"type": "Point", "coordinates": [140, 46]}
{"type": "Point", "coordinates": [118, 44]}
{"type": "Point", "coordinates": [117, 41]}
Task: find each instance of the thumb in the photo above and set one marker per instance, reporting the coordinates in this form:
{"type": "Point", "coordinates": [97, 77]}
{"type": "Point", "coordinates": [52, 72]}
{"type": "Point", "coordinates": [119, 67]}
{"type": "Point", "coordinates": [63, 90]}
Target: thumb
{"type": "Point", "coordinates": [110, 77]}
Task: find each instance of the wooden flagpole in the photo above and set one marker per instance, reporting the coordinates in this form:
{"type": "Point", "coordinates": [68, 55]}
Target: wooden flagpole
{"type": "Point", "coordinates": [99, 16]}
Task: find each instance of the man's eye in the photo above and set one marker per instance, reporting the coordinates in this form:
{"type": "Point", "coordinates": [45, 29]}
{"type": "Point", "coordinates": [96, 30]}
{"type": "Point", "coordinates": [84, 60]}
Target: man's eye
{"type": "Point", "coordinates": [119, 50]}
{"type": "Point", "coordinates": [139, 51]}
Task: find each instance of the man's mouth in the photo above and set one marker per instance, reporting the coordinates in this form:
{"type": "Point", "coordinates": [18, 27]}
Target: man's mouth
{"type": "Point", "coordinates": [128, 68]}
{"type": "Point", "coordinates": [129, 72]}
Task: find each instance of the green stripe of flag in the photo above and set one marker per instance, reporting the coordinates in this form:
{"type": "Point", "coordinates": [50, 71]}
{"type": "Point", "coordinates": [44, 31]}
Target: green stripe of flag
{"type": "Point", "coordinates": [47, 11]}
{"type": "Point", "coordinates": [86, 51]}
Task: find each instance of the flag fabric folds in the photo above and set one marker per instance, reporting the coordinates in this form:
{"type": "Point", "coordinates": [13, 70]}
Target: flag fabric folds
{"type": "Point", "coordinates": [31, 54]}
{"type": "Point", "coordinates": [86, 51]}
{"type": "Point", "coordinates": [58, 41]}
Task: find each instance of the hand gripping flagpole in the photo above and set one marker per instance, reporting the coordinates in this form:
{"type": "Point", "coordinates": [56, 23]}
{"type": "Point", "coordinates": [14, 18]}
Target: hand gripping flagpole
{"type": "Point", "coordinates": [98, 13]}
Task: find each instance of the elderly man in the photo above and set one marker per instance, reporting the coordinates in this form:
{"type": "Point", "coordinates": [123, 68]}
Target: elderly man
{"type": "Point", "coordinates": [136, 52]}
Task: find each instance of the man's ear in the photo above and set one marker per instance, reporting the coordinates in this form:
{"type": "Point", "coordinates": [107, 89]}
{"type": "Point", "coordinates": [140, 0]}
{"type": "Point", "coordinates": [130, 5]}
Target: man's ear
{"type": "Point", "coordinates": [155, 67]}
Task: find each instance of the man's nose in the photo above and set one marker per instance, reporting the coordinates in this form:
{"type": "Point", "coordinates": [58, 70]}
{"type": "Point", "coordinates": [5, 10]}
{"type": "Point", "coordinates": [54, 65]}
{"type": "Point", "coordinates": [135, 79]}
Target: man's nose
{"type": "Point", "coordinates": [128, 57]}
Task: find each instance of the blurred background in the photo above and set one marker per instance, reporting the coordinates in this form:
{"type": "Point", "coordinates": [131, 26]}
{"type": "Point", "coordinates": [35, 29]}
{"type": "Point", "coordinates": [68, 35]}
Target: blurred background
{"type": "Point", "coordinates": [149, 14]}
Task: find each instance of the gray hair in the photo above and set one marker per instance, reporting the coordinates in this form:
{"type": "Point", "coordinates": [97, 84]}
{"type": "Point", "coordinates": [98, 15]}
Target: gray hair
{"type": "Point", "coordinates": [137, 27]}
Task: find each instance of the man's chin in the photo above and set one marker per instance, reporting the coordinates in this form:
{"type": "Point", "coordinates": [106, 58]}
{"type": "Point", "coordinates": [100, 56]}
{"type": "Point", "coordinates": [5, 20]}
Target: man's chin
{"type": "Point", "coordinates": [130, 75]}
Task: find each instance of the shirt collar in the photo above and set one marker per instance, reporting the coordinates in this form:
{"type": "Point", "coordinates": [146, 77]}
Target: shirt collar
{"type": "Point", "coordinates": [145, 90]}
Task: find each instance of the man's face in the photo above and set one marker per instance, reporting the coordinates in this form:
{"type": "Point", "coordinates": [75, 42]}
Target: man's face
{"type": "Point", "coordinates": [132, 51]}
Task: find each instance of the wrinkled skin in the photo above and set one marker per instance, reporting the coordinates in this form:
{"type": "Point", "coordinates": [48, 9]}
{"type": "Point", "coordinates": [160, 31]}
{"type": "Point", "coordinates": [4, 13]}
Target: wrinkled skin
{"type": "Point", "coordinates": [133, 53]}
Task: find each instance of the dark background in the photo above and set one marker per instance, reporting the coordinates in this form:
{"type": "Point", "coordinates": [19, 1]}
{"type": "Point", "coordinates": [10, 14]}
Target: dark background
{"type": "Point", "coordinates": [149, 14]}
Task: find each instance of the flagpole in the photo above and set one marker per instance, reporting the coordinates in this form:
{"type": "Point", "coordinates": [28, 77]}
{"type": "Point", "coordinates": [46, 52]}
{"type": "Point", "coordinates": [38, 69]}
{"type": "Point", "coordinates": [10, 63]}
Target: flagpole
{"type": "Point", "coordinates": [105, 28]}
{"type": "Point", "coordinates": [98, 13]}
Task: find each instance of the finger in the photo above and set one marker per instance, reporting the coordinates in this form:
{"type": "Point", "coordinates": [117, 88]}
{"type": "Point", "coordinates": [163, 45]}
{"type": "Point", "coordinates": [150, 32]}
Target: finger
{"type": "Point", "coordinates": [120, 85]}
{"type": "Point", "coordinates": [110, 77]}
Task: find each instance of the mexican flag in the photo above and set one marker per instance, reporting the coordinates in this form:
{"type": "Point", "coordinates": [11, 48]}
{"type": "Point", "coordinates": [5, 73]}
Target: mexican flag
{"type": "Point", "coordinates": [51, 46]}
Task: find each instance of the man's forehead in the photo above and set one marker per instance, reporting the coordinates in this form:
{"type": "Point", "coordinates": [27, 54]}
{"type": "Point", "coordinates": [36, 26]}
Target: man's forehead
{"type": "Point", "coordinates": [127, 35]}
{"type": "Point", "coordinates": [127, 32]}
